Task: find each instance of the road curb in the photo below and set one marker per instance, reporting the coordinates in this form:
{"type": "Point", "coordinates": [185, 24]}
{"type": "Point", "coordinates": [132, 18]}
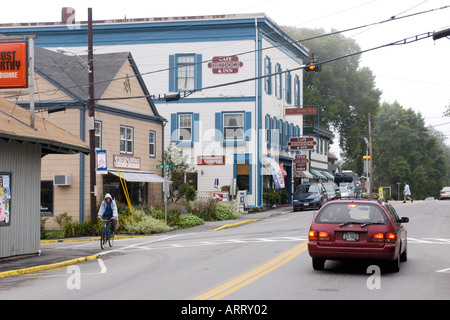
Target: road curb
{"type": "Point", "coordinates": [234, 224]}
{"type": "Point", "coordinates": [47, 266]}
{"type": "Point", "coordinates": [91, 239]}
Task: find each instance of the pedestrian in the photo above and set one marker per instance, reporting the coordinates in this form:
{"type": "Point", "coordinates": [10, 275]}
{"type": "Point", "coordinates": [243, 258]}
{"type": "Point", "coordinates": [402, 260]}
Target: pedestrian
{"type": "Point", "coordinates": [406, 193]}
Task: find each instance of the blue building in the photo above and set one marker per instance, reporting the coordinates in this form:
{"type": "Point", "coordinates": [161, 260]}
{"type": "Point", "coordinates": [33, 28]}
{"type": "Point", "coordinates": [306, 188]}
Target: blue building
{"type": "Point", "coordinates": [235, 76]}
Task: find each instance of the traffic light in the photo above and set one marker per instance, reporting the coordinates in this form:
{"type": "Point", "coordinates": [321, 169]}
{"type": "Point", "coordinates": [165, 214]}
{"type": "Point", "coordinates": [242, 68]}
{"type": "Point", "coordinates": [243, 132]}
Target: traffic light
{"type": "Point", "coordinates": [366, 157]}
{"type": "Point", "coordinates": [313, 67]}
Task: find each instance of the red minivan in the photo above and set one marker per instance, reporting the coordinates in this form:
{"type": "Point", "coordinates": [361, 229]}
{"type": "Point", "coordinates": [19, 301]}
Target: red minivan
{"type": "Point", "coordinates": [357, 229]}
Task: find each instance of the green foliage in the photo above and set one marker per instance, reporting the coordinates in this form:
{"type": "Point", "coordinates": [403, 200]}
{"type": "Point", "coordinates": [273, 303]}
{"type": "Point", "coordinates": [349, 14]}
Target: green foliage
{"type": "Point", "coordinates": [63, 219]}
{"type": "Point", "coordinates": [271, 197]}
{"type": "Point", "coordinates": [405, 150]}
{"type": "Point", "coordinates": [78, 229]}
{"type": "Point", "coordinates": [188, 192]}
{"type": "Point", "coordinates": [189, 220]}
{"type": "Point", "coordinates": [144, 224]}
{"type": "Point", "coordinates": [174, 156]}
{"type": "Point", "coordinates": [224, 211]}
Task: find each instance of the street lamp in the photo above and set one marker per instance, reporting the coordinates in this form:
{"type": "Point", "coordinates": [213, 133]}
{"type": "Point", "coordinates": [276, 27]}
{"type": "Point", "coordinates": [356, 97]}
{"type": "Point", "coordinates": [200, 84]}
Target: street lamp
{"type": "Point", "coordinates": [83, 62]}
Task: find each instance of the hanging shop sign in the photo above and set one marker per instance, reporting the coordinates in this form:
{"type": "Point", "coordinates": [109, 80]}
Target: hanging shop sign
{"type": "Point", "coordinates": [229, 64]}
{"type": "Point", "coordinates": [300, 111]}
{"type": "Point", "coordinates": [13, 65]}
{"type": "Point", "coordinates": [102, 163]}
{"type": "Point", "coordinates": [126, 162]}
{"type": "Point", "coordinates": [210, 160]}
{"type": "Point", "coordinates": [5, 199]}
{"type": "Point", "coordinates": [302, 143]}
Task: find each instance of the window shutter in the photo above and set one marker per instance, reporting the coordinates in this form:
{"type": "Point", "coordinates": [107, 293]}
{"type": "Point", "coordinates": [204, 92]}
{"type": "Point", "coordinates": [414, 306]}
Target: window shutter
{"type": "Point", "coordinates": [198, 71]}
{"type": "Point", "coordinates": [248, 126]}
{"type": "Point", "coordinates": [172, 73]}
{"type": "Point", "coordinates": [218, 126]}
{"type": "Point", "coordinates": [196, 127]}
{"type": "Point", "coordinates": [173, 127]}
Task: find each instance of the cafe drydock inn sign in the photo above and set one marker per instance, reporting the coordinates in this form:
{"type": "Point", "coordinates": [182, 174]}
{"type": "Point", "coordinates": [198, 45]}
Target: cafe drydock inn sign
{"type": "Point", "coordinates": [13, 65]}
{"type": "Point", "coordinates": [230, 64]}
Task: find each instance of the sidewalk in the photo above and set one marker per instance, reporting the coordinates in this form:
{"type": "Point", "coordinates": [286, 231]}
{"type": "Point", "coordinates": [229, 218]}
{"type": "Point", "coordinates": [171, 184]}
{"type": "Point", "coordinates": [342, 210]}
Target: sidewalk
{"type": "Point", "coordinates": [52, 257]}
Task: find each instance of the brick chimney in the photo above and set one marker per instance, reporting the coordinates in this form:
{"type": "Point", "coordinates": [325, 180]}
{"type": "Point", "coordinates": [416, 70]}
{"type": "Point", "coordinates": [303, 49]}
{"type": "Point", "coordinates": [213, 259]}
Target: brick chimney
{"type": "Point", "coordinates": [68, 15]}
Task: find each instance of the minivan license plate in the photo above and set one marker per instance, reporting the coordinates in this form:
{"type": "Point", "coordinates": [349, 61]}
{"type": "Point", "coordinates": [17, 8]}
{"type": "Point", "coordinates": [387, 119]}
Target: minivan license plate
{"type": "Point", "coordinates": [351, 236]}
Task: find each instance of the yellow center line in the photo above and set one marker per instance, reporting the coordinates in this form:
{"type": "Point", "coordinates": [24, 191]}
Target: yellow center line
{"type": "Point", "coordinates": [251, 276]}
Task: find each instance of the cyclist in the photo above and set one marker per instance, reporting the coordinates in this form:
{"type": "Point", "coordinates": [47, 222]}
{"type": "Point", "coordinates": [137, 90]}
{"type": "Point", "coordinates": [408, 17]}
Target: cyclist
{"type": "Point", "coordinates": [108, 210]}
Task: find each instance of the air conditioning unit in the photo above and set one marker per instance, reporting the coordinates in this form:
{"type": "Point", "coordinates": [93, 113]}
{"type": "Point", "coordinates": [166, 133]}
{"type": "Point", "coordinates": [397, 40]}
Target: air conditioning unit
{"type": "Point", "coordinates": [61, 179]}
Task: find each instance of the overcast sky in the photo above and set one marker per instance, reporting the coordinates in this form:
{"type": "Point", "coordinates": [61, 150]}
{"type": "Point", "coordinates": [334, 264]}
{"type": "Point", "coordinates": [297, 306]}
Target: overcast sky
{"type": "Point", "coordinates": [417, 75]}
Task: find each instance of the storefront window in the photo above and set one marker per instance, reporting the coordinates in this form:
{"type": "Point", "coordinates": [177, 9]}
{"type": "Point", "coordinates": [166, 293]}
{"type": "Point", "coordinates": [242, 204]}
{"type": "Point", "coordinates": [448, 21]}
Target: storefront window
{"type": "Point", "coordinates": [5, 199]}
{"type": "Point", "coordinates": [47, 198]}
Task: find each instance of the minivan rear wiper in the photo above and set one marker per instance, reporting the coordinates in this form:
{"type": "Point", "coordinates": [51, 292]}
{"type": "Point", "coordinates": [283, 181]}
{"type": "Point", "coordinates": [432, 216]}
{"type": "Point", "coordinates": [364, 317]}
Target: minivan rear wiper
{"type": "Point", "coordinates": [369, 223]}
{"type": "Point", "coordinates": [348, 222]}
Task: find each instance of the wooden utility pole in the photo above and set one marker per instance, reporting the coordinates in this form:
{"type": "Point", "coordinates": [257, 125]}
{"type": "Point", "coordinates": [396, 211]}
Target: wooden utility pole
{"type": "Point", "coordinates": [370, 153]}
{"type": "Point", "coordinates": [91, 122]}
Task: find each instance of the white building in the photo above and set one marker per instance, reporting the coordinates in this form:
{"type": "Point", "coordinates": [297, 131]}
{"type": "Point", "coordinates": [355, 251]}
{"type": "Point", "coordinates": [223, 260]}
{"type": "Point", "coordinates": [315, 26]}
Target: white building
{"type": "Point", "coordinates": [236, 75]}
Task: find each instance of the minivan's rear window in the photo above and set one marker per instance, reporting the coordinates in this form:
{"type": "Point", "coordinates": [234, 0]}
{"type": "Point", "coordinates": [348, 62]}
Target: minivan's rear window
{"type": "Point", "coordinates": [358, 213]}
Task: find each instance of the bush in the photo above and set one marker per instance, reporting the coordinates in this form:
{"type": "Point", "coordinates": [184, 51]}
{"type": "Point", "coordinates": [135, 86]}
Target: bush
{"type": "Point", "coordinates": [189, 220]}
{"type": "Point", "coordinates": [78, 229]}
{"type": "Point", "coordinates": [188, 192]}
{"type": "Point", "coordinates": [224, 211]}
{"type": "Point", "coordinates": [144, 224]}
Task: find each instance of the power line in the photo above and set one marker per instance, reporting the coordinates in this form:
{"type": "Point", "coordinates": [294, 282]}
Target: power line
{"type": "Point", "coordinates": [393, 18]}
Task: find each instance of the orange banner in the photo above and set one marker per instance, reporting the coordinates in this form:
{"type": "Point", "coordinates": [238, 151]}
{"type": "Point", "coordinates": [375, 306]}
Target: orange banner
{"type": "Point", "coordinates": [13, 65]}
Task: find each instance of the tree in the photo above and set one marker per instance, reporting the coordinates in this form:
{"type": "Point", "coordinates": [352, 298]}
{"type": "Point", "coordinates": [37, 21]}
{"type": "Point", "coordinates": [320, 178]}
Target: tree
{"type": "Point", "coordinates": [405, 150]}
{"type": "Point", "coordinates": [344, 91]}
{"type": "Point", "coordinates": [174, 156]}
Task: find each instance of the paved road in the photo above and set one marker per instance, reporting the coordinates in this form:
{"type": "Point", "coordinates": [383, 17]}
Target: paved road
{"type": "Point", "coordinates": [266, 259]}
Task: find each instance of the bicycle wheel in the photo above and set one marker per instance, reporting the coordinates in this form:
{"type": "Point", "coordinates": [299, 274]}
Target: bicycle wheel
{"type": "Point", "coordinates": [111, 239]}
{"type": "Point", "coordinates": [103, 238]}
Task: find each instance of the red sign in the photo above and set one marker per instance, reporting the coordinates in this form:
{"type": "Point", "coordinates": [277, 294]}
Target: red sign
{"type": "Point", "coordinates": [300, 111]}
{"type": "Point", "coordinates": [300, 162]}
{"type": "Point", "coordinates": [302, 143]}
{"type": "Point", "coordinates": [210, 160]}
{"type": "Point", "coordinates": [13, 65]}
{"type": "Point", "coordinates": [230, 64]}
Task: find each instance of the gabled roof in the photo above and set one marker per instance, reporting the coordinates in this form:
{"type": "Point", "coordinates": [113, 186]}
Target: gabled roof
{"type": "Point", "coordinates": [14, 125]}
{"type": "Point", "coordinates": [69, 75]}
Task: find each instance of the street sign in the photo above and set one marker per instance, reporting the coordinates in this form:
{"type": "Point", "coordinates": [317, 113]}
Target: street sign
{"type": "Point", "coordinates": [300, 111]}
{"type": "Point", "coordinates": [302, 143]}
{"type": "Point", "coordinates": [300, 162]}
{"type": "Point", "coordinates": [164, 166]}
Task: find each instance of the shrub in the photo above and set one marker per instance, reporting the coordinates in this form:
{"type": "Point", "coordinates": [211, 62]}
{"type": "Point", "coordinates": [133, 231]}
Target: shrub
{"type": "Point", "coordinates": [189, 220]}
{"type": "Point", "coordinates": [78, 229]}
{"type": "Point", "coordinates": [224, 211]}
{"type": "Point", "coordinates": [188, 192]}
{"type": "Point", "coordinates": [144, 224]}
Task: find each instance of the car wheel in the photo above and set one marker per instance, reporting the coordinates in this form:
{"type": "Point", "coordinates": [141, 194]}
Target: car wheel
{"type": "Point", "coordinates": [404, 255]}
{"type": "Point", "coordinates": [318, 264]}
{"type": "Point", "coordinates": [394, 265]}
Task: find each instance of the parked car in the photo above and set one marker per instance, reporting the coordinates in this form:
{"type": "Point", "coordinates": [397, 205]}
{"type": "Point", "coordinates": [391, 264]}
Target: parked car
{"type": "Point", "coordinates": [445, 193]}
{"type": "Point", "coordinates": [345, 192]}
{"type": "Point", "coordinates": [309, 195]}
{"type": "Point", "coordinates": [333, 191]}
{"type": "Point", "coordinates": [357, 229]}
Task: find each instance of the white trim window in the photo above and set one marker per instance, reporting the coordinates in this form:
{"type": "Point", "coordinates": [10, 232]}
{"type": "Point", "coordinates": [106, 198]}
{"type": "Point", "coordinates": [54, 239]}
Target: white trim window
{"type": "Point", "coordinates": [185, 127]}
{"type": "Point", "coordinates": [98, 134]}
{"type": "Point", "coordinates": [126, 139]}
{"type": "Point", "coordinates": [233, 126]}
{"type": "Point", "coordinates": [152, 143]}
{"type": "Point", "coordinates": [185, 72]}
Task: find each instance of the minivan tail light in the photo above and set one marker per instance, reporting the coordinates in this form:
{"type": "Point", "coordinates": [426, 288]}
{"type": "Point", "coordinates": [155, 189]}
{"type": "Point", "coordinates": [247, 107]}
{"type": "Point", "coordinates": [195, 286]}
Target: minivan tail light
{"type": "Point", "coordinates": [381, 237]}
{"type": "Point", "coordinates": [391, 237]}
{"type": "Point", "coordinates": [324, 236]}
{"type": "Point", "coordinates": [312, 236]}
{"type": "Point", "coordinates": [378, 237]}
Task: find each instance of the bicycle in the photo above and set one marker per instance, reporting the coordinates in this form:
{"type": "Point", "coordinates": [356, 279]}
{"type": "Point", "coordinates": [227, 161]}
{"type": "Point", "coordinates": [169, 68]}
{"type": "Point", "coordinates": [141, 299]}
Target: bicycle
{"type": "Point", "coordinates": [106, 235]}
